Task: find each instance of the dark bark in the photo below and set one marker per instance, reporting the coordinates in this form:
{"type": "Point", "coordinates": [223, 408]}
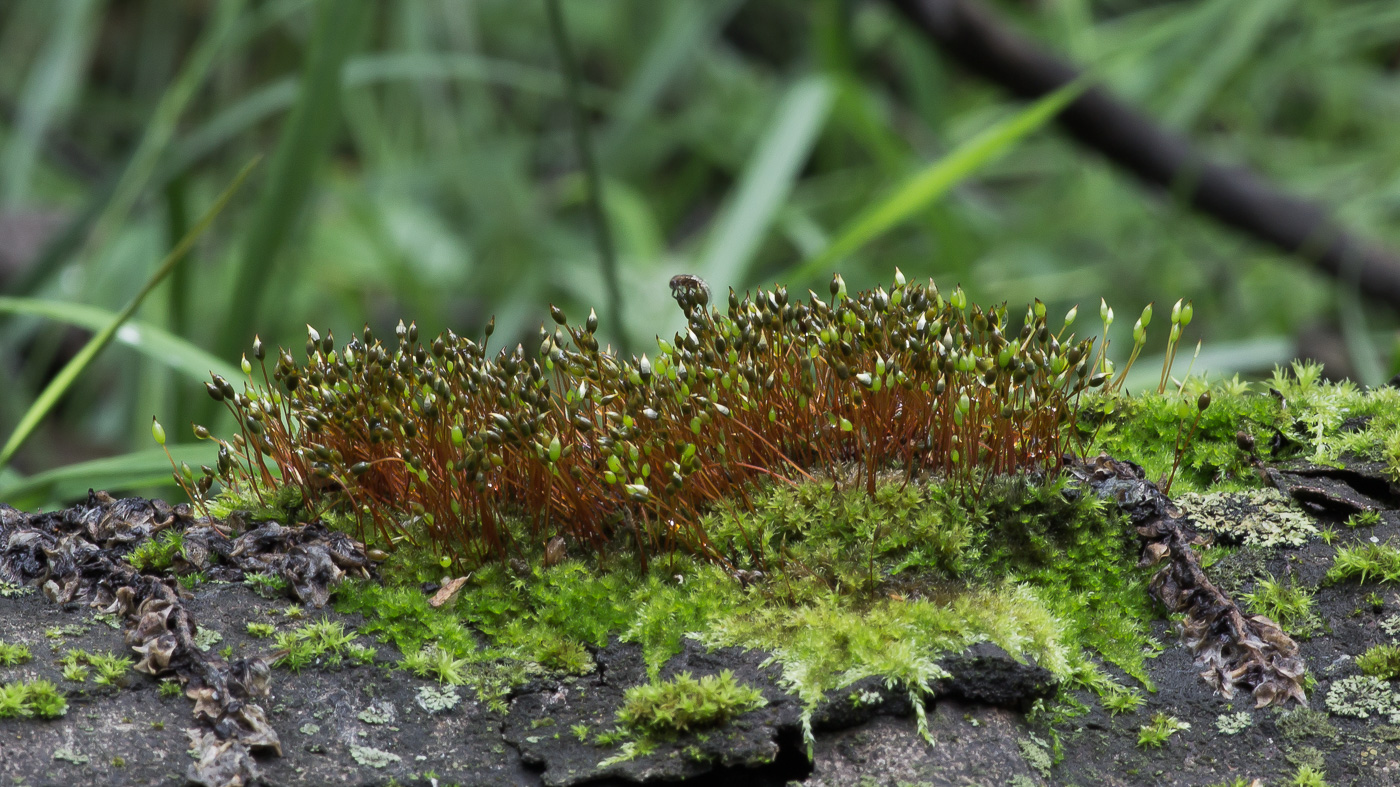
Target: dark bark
{"type": "Point", "coordinates": [1130, 139]}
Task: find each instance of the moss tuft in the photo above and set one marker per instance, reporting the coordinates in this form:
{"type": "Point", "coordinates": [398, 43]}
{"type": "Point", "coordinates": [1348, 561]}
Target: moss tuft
{"type": "Point", "coordinates": [12, 654]}
{"type": "Point", "coordinates": [36, 698]}
{"type": "Point", "coordinates": [1159, 730]}
{"type": "Point", "coordinates": [1382, 661]}
{"type": "Point", "coordinates": [684, 703]}
{"type": "Point", "coordinates": [1373, 562]}
{"type": "Point", "coordinates": [1287, 604]}
{"type": "Point", "coordinates": [156, 554]}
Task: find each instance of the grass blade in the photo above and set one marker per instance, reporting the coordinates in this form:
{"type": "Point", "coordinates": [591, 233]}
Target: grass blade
{"type": "Point", "coordinates": [52, 81]}
{"type": "Point", "coordinates": [161, 128]}
{"type": "Point", "coordinates": [80, 362]}
{"type": "Point", "coordinates": [688, 26]}
{"type": "Point", "coordinates": [138, 470]}
{"type": "Point", "coordinates": [302, 147]}
{"type": "Point", "coordinates": [155, 343]}
{"type": "Point", "coordinates": [365, 71]}
{"type": "Point", "coordinates": [937, 179]}
{"type": "Point", "coordinates": [1245, 32]}
{"type": "Point", "coordinates": [767, 180]}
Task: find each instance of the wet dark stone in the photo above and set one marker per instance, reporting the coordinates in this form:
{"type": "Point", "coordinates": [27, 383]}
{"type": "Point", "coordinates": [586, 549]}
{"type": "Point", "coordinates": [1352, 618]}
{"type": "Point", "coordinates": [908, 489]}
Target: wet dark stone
{"type": "Point", "coordinates": [986, 673]}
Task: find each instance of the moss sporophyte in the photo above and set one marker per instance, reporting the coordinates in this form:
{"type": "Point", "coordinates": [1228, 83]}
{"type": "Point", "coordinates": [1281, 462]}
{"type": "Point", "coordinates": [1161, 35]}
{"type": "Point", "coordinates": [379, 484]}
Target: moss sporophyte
{"type": "Point", "coordinates": [855, 484]}
{"type": "Point", "coordinates": [596, 448]}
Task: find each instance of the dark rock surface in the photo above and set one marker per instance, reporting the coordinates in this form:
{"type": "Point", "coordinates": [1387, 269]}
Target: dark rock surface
{"type": "Point", "coordinates": [372, 724]}
{"type": "Point", "coordinates": [985, 673]}
{"type": "Point", "coordinates": [366, 725]}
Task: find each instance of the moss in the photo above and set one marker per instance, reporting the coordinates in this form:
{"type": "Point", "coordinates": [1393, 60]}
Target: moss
{"type": "Point", "coordinates": [266, 585]}
{"type": "Point", "coordinates": [12, 654]}
{"type": "Point", "coordinates": [1149, 427]}
{"type": "Point", "coordinates": [1287, 604]}
{"type": "Point", "coordinates": [1122, 701]}
{"type": "Point", "coordinates": [1382, 661]}
{"type": "Point", "coordinates": [111, 668]}
{"type": "Point", "coordinates": [324, 640]}
{"type": "Point", "coordinates": [1373, 562]}
{"type": "Point", "coordinates": [1364, 519]}
{"type": "Point", "coordinates": [156, 554]}
{"type": "Point", "coordinates": [1159, 730]}
{"type": "Point", "coordinates": [260, 630]}
{"type": "Point", "coordinates": [1301, 723]}
{"type": "Point", "coordinates": [35, 698]}
{"type": "Point", "coordinates": [685, 703]}
{"type": "Point", "coordinates": [869, 586]}
{"type": "Point", "coordinates": [255, 502]}
{"type": "Point", "coordinates": [1308, 776]}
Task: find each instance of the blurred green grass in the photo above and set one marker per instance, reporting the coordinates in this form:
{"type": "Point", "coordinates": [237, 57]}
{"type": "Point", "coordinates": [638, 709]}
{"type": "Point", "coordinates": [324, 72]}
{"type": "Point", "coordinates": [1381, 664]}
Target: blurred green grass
{"type": "Point", "coordinates": [423, 168]}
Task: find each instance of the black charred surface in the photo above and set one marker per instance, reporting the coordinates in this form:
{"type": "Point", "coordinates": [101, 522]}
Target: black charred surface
{"type": "Point", "coordinates": [1236, 651]}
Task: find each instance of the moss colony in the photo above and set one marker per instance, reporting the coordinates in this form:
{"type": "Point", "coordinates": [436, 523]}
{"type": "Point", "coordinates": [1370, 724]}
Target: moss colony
{"type": "Point", "coordinates": [858, 486]}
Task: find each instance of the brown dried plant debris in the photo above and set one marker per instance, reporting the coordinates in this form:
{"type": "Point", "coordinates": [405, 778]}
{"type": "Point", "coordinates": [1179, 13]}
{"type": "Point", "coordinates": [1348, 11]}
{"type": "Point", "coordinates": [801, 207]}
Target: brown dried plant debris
{"type": "Point", "coordinates": [82, 554]}
{"type": "Point", "coordinates": [1236, 650]}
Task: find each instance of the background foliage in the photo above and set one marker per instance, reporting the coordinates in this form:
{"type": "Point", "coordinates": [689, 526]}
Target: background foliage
{"type": "Point", "coordinates": [420, 164]}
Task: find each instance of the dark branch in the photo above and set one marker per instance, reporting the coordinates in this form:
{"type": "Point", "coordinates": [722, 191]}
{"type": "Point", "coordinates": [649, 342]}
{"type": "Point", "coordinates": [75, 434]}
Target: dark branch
{"type": "Point", "coordinates": [1235, 196]}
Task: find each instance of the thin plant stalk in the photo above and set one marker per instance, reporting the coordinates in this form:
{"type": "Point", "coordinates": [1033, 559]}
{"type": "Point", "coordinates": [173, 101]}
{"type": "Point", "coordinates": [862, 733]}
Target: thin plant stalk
{"type": "Point", "coordinates": [80, 362]}
{"type": "Point", "coordinates": [583, 146]}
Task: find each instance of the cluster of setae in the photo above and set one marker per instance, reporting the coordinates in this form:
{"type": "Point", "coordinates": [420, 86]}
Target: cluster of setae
{"type": "Point", "coordinates": [581, 443]}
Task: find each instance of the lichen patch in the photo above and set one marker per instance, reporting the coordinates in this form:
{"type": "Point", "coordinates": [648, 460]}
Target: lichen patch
{"type": "Point", "coordinates": [1260, 517]}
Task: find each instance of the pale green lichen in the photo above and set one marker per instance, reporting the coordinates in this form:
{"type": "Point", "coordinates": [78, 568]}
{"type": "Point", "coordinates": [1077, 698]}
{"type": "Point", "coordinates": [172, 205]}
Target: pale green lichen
{"type": "Point", "coordinates": [373, 758]}
{"type": "Point", "coordinates": [1362, 696]}
{"type": "Point", "coordinates": [1037, 755]}
{"type": "Point", "coordinates": [378, 713]}
{"type": "Point", "coordinates": [1391, 626]}
{"type": "Point", "coordinates": [67, 754]}
{"type": "Point", "coordinates": [1233, 723]}
{"type": "Point", "coordinates": [1260, 517]}
{"type": "Point", "coordinates": [206, 638]}
{"type": "Point", "coordinates": [435, 700]}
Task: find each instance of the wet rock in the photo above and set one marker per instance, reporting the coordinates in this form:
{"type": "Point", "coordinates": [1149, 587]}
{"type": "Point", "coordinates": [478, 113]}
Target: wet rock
{"type": "Point", "coordinates": [81, 554]}
{"type": "Point", "coordinates": [545, 724]}
{"type": "Point", "coordinates": [972, 745]}
{"type": "Point", "coordinates": [985, 673]}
